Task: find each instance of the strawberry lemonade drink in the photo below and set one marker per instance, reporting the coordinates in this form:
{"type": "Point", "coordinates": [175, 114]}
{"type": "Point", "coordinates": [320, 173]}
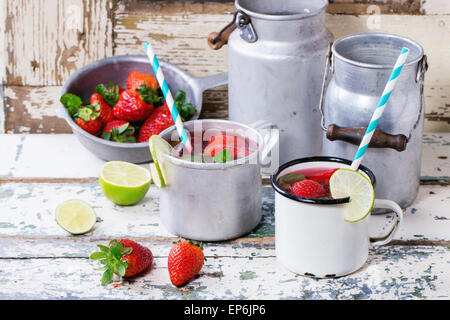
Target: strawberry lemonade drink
{"type": "Point", "coordinates": [322, 216]}
{"type": "Point", "coordinates": [213, 193]}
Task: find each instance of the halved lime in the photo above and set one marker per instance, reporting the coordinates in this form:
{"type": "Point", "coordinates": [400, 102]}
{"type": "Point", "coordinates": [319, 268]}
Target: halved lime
{"type": "Point", "coordinates": [158, 146]}
{"type": "Point", "coordinates": [75, 216]}
{"type": "Point", "coordinates": [124, 183]}
{"type": "Point", "coordinates": [348, 183]}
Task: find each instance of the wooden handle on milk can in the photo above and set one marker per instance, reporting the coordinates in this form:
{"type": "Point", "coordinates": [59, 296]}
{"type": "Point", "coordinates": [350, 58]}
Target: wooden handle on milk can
{"type": "Point", "coordinates": [354, 135]}
{"type": "Point", "coordinates": [218, 40]}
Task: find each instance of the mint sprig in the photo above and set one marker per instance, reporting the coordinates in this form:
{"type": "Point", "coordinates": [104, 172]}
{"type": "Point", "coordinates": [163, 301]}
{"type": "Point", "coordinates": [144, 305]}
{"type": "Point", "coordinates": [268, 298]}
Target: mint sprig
{"type": "Point", "coordinates": [110, 257]}
{"type": "Point", "coordinates": [185, 109]}
{"type": "Point", "coordinates": [72, 103]}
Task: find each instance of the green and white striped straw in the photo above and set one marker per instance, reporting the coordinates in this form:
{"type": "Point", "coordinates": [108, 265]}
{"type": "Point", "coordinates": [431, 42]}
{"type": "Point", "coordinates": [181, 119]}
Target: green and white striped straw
{"type": "Point", "coordinates": [380, 108]}
{"type": "Point", "coordinates": [169, 98]}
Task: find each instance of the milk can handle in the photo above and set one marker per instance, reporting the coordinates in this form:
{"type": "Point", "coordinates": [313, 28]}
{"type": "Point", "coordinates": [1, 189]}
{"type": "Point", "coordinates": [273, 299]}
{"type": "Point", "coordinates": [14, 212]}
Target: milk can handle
{"type": "Point", "coordinates": [241, 21]}
{"type": "Point", "coordinates": [354, 135]}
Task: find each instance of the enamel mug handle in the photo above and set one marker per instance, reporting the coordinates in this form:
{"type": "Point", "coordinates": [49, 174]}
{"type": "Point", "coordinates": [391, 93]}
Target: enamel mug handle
{"type": "Point", "coordinates": [388, 204]}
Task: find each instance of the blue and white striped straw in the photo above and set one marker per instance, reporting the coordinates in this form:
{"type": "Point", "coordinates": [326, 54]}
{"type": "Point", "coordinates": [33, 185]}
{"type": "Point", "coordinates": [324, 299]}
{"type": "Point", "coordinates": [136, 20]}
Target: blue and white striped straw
{"type": "Point", "coordinates": [380, 108]}
{"type": "Point", "coordinates": [169, 98]}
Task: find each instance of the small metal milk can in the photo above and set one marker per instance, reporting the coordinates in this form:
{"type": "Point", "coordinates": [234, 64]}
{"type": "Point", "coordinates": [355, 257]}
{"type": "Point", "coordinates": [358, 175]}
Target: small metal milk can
{"type": "Point", "coordinates": [276, 59]}
{"type": "Point", "coordinates": [357, 71]}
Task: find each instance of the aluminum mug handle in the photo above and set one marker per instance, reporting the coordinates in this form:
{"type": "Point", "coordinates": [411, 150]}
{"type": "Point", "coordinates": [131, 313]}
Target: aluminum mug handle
{"type": "Point", "coordinates": [388, 204]}
{"type": "Point", "coordinates": [270, 141]}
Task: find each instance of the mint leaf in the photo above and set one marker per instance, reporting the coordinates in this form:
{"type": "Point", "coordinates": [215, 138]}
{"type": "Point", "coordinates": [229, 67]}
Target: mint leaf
{"type": "Point", "coordinates": [72, 103]}
{"type": "Point", "coordinates": [223, 156]}
{"type": "Point", "coordinates": [291, 178]}
{"type": "Point", "coordinates": [186, 109]}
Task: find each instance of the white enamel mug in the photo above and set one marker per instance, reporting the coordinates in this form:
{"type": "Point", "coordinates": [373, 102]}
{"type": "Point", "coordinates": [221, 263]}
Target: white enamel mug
{"type": "Point", "coordinates": [311, 236]}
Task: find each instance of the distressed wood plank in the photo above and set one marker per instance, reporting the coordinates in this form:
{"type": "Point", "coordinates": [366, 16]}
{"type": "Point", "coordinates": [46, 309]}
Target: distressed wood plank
{"type": "Point", "coordinates": [394, 272]}
{"type": "Point", "coordinates": [435, 7]}
{"type": "Point", "coordinates": [23, 157]}
{"type": "Point", "coordinates": [174, 7]}
{"type": "Point", "coordinates": [47, 40]}
{"type": "Point", "coordinates": [27, 210]}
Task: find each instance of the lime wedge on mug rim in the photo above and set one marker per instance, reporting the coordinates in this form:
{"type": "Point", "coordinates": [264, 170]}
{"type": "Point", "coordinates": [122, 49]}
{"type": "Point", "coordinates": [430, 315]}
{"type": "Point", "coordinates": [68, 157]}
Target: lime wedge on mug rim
{"type": "Point", "coordinates": [124, 183]}
{"type": "Point", "coordinates": [158, 146]}
{"type": "Point", "coordinates": [75, 216]}
{"type": "Point", "coordinates": [348, 183]}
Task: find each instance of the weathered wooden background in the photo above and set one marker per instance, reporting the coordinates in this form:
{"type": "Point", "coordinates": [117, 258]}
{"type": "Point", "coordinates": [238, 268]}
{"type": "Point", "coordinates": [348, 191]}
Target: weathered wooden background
{"type": "Point", "coordinates": [43, 41]}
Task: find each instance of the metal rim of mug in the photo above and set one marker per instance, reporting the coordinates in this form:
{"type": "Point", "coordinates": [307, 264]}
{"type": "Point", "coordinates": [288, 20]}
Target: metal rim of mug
{"type": "Point", "coordinates": [273, 179]}
{"type": "Point", "coordinates": [213, 166]}
{"type": "Point", "coordinates": [279, 17]}
{"type": "Point", "coordinates": [374, 65]}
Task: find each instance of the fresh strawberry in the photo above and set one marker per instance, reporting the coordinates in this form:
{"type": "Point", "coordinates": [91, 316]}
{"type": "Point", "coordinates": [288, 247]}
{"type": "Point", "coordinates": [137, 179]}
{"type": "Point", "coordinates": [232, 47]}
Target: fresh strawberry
{"type": "Point", "coordinates": [308, 189]}
{"type": "Point", "coordinates": [135, 105]}
{"type": "Point", "coordinates": [138, 260]}
{"type": "Point", "coordinates": [238, 146]}
{"type": "Point", "coordinates": [88, 119]}
{"type": "Point", "coordinates": [321, 176]}
{"type": "Point", "coordinates": [106, 112]}
{"type": "Point", "coordinates": [184, 262]}
{"type": "Point", "coordinates": [137, 79]}
{"type": "Point", "coordinates": [158, 121]}
{"type": "Point", "coordinates": [125, 257]}
{"type": "Point", "coordinates": [119, 131]}
{"type": "Point", "coordinates": [110, 94]}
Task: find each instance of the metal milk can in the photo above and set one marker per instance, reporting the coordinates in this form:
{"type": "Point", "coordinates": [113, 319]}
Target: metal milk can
{"type": "Point", "coordinates": [357, 71]}
{"type": "Point", "coordinates": [275, 67]}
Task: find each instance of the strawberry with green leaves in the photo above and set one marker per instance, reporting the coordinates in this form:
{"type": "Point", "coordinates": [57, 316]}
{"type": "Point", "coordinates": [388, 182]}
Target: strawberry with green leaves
{"type": "Point", "coordinates": [137, 79]}
{"type": "Point", "coordinates": [100, 105]}
{"type": "Point", "coordinates": [185, 262]}
{"type": "Point", "coordinates": [88, 119]}
{"type": "Point", "coordinates": [136, 105]}
{"type": "Point", "coordinates": [119, 131]}
{"type": "Point", "coordinates": [161, 118]}
{"type": "Point", "coordinates": [110, 94]}
{"type": "Point", "coordinates": [124, 257]}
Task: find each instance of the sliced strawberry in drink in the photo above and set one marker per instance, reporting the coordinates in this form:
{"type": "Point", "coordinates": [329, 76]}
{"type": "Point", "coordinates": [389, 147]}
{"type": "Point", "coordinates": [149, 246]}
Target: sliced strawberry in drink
{"type": "Point", "coordinates": [321, 175]}
{"type": "Point", "coordinates": [238, 146]}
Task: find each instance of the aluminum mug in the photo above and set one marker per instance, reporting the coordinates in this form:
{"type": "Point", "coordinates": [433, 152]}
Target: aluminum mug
{"type": "Point", "coordinates": [214, 201]}
{"type": "Point", "coordinates": [311, 236]}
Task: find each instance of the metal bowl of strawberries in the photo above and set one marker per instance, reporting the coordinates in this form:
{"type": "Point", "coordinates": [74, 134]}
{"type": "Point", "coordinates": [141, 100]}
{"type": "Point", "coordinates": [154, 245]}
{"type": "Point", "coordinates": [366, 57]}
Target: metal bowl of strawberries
{"type": "Point", "coordinates": [115, 104]}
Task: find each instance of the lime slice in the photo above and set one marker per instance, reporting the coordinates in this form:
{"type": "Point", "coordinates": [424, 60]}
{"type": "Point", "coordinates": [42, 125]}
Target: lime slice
{"type": "Point", "coordinates": [75, 216]}
{"type": "Point", "coordinates": [348, 183]}
{"type": "Point", "coordinates": [156, 176]}
{"type": "Point", "coordinates": [159, 146]}
{"type": "Point", "coordinates": [124, 183]}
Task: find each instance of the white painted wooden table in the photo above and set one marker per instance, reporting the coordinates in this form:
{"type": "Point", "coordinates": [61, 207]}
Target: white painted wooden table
{"type": "Point", "coordinates": [38, 260]}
